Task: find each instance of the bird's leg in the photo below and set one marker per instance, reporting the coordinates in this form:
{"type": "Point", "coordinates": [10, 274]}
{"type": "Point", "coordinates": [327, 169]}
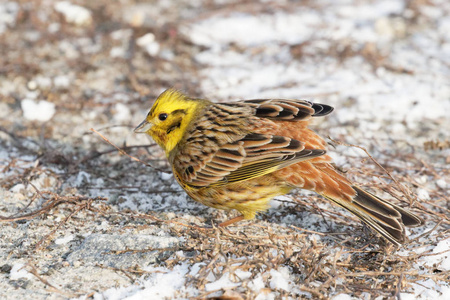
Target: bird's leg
{"type": "Point", "coordinates": [231, 221]}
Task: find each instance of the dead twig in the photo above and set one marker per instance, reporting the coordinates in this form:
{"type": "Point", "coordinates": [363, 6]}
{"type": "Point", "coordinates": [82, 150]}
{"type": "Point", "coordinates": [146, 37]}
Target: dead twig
{"type": "Point", "coordinates": [84, 205]}
{"type": "Point", "coordinates": [427, 232]}
{"type": "Point", "coordinates": [32, 270]}
{"type": "Point", "coordinates": [122, 152]}
{"type": "Point", "coordinates": [54, 201]}
{"type": "Point", "coordinates": [96, 154]}
{"type": "Point", "coordinates": [402, 188]}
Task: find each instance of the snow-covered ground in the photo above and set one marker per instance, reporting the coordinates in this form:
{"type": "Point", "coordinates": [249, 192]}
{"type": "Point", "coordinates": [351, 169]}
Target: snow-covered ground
{"type": "Point", "coordinates": [383, 65]}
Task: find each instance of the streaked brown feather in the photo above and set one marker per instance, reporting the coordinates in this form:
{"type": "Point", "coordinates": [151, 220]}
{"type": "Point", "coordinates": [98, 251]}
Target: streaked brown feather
{"type": "Point", "coordinates": [282, 109]}
{"type": "Point", "coordinates": [252, 156]}
{"type": "Point", "coordinates": [240, 155]}
{"type": "Point", "coordinates": [320, 176]}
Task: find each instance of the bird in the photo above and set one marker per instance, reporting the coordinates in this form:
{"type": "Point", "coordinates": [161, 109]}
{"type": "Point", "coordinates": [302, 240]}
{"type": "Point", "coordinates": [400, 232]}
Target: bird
{"type": "Point", "coordinates": [239, 155]}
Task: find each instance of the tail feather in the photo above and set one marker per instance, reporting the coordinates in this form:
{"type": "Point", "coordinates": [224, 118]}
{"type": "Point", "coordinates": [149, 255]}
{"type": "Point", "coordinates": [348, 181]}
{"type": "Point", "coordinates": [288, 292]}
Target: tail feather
{"type": "Point", "coordinates": [386, 218]}
{"type": "Point", "coordinates": [408, 219]}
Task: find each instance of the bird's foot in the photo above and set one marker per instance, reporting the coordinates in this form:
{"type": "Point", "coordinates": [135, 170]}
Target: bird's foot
{"type": "Point", "coordinates": [231, 221]}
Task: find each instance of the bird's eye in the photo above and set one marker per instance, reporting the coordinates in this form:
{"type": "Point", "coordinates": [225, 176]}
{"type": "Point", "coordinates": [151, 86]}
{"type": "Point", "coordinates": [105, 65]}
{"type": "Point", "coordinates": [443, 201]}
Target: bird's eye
{"type": "Point", "coordinates": [162, 116]}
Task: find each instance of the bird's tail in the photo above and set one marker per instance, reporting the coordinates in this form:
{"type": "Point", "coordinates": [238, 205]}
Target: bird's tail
{"type": "Point", "coordinates": [386, 218]}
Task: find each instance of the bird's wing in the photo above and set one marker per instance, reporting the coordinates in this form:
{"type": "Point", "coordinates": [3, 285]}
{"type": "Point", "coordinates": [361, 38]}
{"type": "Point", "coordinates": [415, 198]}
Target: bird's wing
{"type": "Point", "coordinates": [288, 110]}
{"type": "Point", "coordinates": [252, 156]}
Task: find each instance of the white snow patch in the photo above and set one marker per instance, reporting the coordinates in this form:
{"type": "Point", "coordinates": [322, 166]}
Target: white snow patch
{"type": "Point", "coordinates": [242, 275]}
{"type": "Point", "coordinates": [115, 293]}
{"type": "Point", "coordinates": [264, 296]}
{"type": "Point", "coordinates": [82, 178]}
{"type": "Point", "coordinates": [121, 113]}
{"type": "Point", "coordinates": [343, 297]}
{"type": "Point", "coordinates": [442, 258]}
{"type": "Point", "coordinates": [223, 283]}
{"type": "Point", "coordinates": [37, 110]}
{"type": "Point", "coordinates": [195, 268]}
{"type": "Point", "coordinates": [18, 271]}
{"type": "Point", "coordinates": [423, 194]}
{"type": "Point", "coordinates": [32, 85]}
{"type": "Point", "coordinates": [64, 240]}
{"type": "Point", "coordinates": [257, 283]}
{"type": "Point", "coordinates": [74, 14]}
{"type": "Point", "coordinates": [61, 82]}
{"type": "Point", "coordinates": [54, 27]}
{"type": "Point", "coordinates": [278, 201]}
{"type": "Point", "coordinates": [427, 289]}
{"type": "Point", "coordinates": [18, 188]}
{"type": "Point", "coordinates": [149, 43]}
{"type": "Point", "coordinates": [280, 278]}
{"type": "Point", "coordinates": [442, 184]}
{"type": "Point", "coordinates": [43, 82]}
{"type": "Point", "coordinates": [165, 176]}
{"type": "Point", "coordinates": [314, 237]}
{"type": "Point", "coordinates": [118, 52]}
{"type": "Point", "coordinates": [121, 34]}
{"type": "Point", "coordinates": [162, 284]}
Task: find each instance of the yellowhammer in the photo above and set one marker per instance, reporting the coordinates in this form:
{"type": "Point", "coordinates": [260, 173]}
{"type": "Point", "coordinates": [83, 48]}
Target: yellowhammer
{"type": "Point", "coordinates": [240, 155]}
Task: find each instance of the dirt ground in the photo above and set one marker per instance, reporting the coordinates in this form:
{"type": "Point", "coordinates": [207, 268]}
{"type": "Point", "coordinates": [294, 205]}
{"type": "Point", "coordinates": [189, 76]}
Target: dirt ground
{"type": "Point", "coordinates": [81, 220]}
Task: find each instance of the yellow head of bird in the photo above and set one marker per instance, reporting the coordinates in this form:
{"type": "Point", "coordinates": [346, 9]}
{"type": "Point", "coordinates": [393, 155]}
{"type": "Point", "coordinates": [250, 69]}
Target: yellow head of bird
{"type": "Point", "coordinates": [169, 118]}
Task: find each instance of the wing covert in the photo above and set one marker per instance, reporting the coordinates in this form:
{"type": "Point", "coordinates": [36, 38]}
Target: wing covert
{"type": "Point", "coordinates": [252, 156]}
{"type": "Point", "coordinates": [288, 110]}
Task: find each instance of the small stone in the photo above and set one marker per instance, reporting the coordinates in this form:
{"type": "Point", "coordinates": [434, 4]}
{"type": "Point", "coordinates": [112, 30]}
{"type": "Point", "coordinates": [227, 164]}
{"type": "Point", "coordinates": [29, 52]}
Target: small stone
{"type": "Point", "coordinates": [37, 110]}
{"type": "Point", "coordinates": [74, 14]}
{"type": "Point", "coordinates": [441, 183]}
{"type": "Point", "coordinates": [5, 268]}
{"type": "Point", "coordinates": [32, 85]}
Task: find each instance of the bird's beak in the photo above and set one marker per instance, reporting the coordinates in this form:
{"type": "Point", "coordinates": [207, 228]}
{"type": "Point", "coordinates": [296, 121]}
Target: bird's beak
{"type": "Point", "coordinates": [143, 127]}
